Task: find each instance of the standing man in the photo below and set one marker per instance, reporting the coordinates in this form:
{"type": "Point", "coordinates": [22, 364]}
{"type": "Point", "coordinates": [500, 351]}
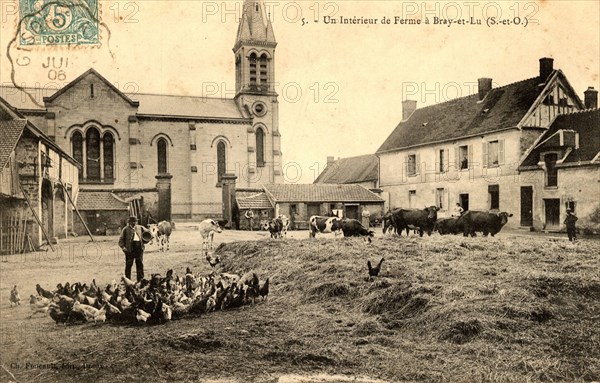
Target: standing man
{"type": "Point", "coordinates": [570, 222]}
{"type": "Point", "coordinates": [250, 217]}
{"type": "Point", "coordinates": [132, 245]}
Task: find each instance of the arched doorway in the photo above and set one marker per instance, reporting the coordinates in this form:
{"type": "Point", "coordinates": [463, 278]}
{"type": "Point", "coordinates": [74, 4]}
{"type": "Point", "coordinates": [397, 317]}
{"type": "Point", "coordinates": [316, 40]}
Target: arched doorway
{"type": "Point", "coordinates": [59, 212]}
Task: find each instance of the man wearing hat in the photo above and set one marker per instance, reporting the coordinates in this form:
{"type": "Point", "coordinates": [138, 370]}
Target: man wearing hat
{"type": "Point", "coordinates": [133, 246]}
{"type": "Point", "coordinates": [570, 223]}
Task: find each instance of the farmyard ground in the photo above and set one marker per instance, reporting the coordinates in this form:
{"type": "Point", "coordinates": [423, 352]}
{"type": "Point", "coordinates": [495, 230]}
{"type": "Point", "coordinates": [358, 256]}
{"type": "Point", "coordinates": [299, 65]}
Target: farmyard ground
{"type": "Point", "coordinates": [445, 309]}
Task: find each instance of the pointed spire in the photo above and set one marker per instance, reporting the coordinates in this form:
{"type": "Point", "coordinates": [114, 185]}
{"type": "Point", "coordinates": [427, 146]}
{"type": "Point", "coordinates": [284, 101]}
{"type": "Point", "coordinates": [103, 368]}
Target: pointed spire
{"type": "Point", "coordinates": [254, 24]}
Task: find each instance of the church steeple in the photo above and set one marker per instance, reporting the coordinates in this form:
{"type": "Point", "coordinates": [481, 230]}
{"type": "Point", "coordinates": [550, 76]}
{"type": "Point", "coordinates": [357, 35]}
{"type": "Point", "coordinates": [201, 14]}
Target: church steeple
{"type": "Point", "coordinates": [254, 26]}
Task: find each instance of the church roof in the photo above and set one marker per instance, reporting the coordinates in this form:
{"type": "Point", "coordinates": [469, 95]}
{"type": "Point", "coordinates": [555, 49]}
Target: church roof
{"type": "Point", "coordinates": [320, 193]}
{"type": "Point", "coordinates": [560, 136]}
{"type": "Point", "coordinates": [502, 108]}
{"type": "Point", "coordinates": [32, 99]}
{"type": "Point", "coordinates": [351, 170]}
{"type": "Point", "coordinates": [186, 106]}
{"type": "Point", "coordinates": [99, 200]}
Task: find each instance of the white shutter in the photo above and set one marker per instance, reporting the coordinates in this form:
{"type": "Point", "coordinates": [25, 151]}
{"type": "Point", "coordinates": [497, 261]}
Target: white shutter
{"type": "Point", "coordinates": [457, 158]}
{"type": "Point", "coordinates": [484, 158]}
{"type": "Point", "coordinates": [470, 156]}
{"type": "Point", "coordinates": [406, 167]}
{"type": "Point", "coordinates": [500, 152]}
{"type": "Point", "coordinates": [417, 164]}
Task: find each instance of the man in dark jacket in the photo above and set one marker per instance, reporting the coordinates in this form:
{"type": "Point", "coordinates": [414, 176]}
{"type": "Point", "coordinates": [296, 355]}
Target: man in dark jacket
{"type": "Point", "coordinates": [570, 223]}
{"type": "Point", "coordinates": [132, 245]}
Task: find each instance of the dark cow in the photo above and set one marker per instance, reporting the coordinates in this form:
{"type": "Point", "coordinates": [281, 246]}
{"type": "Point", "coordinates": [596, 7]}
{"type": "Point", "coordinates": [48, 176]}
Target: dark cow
{"type": "Point", "coordinates": [423, 220]}
{"type": "Point", "coordinates": [389, 222]}
{"type": "Point", "coordinates": [317, 224]}
{"type": "Point", "coordinates": [275, 227]}
{"type": "Point", "coordinates": [353, 228]}
{"type": "Point", "coordinates": [448, 226]}
{"type": "Point", "coordinates": [483, 221]}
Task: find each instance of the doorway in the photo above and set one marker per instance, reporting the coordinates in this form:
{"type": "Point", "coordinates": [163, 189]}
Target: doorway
{"type": "Point", "coordinates": [352, 211]}
{"type": "Point", "coordinates": [464, 201]}
{"type": "Point", "coordinates": [526, 206]}
{"type": "Point", "coordinates": [552, 208]}
{"type": "Point", "coordinates": [313, 209]}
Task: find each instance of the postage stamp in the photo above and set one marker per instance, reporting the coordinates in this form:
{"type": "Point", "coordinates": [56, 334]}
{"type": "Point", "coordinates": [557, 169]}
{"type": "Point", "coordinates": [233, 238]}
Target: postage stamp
{"type": "Point", "coordinates": [58, 22]}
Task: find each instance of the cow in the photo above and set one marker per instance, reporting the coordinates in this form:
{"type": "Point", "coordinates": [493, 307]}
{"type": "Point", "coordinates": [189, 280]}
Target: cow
{"type": "Point", "coordinates": [286, 224]}
{"type": "Point", "coordinates": [275, 227]}
{"type": "Point", "coordinates": [353, 228]}
{"type": "Point", "coordinates": [483, 221]}
{"type": "Point", "coordinates": [161, 232]}
{"type": "Point", "coordinates": [423, 219]}
{"type": "Point", "coordinates": [207, 228]}
{"type": "Point", "coordinates": [389, 223]}
{"type": "Point", "coordinates": [447, 226]}
{"type": "Point", "coordinates": [318, 224]}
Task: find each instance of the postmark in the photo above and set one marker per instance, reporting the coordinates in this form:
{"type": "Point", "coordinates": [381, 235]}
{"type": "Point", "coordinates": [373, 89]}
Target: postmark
{"type": "Point", "coordinates": [59, 22]}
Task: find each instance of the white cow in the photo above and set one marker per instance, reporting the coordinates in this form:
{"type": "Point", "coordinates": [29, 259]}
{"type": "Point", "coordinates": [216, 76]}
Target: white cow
{"type": "Point", "coordinates": [207, 231]}
{"type": "Point", "coordinates": [161, 232]}
{"type": "Point", "coordinates": [286, 225]}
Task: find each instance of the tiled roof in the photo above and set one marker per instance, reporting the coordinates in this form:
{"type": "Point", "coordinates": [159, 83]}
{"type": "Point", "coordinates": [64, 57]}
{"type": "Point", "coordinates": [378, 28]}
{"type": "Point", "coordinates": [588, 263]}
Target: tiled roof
{"type": "Point", "coordinates": [252, 200]}
{"type": "Point", "coordinates": [10, 132]}
{"type": "Point", "coordinates": [586, 123]}
{"type": "Point", "coordinates": [184, 106]}
{"type": "Point", "coordinates": [351, 170]}
{"type": "Point", "coordinates": [502, 108]}
{"type": "Point", "coordinates": [320, 193]}
{"type": "Point", "coordinates": [99, 200]}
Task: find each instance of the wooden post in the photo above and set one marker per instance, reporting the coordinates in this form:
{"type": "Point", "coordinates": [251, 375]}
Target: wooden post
{"type": "Point", "coordinates": [36, 216]}
{"type": "Point", "coordinates": [77, 211]}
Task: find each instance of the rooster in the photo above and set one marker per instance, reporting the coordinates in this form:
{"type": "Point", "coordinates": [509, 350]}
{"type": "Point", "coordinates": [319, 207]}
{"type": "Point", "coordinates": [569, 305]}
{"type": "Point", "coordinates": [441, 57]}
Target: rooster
{"type": "Point", "coordinates": [374, 271]}
{"type": "Point", "coordinates": [212, 261]}
{"type": "Point", "coordinates": [264, 290]}
{"type": "Point", "coordinates": [15, 298]}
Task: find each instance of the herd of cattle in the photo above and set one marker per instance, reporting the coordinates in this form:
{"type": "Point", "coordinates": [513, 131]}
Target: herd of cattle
{"type": "Point", "coordinates": [395, 221]}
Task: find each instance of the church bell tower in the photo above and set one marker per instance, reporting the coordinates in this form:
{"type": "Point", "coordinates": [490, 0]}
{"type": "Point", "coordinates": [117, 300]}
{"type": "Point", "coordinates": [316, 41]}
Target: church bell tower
{"type": "Point", "coordinates": [254, 51]}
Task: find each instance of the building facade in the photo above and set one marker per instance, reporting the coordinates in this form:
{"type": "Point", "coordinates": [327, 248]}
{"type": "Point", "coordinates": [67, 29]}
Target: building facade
{"type": "Point", "coordinates": [164, 156]}
{"type": "Point", "coordinates": [469, 150]}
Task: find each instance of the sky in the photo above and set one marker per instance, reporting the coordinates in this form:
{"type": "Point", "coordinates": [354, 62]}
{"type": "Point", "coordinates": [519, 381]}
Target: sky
{"type": "Point", "coordinates": [340, 86]}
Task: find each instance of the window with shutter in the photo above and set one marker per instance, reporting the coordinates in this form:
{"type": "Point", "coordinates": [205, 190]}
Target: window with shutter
{"type": "Point", "coordinates": [485, 159]}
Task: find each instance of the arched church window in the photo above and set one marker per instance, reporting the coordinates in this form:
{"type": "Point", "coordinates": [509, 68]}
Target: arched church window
{"type": "Point", "coordinates": [260, 147]}
{"type": "Point", "coordinates": [92, 138]}
{"type": "Point", "coordinates": [161, 148]}
{"type": "Point", "coordinates": [264, 69]}
{"type": "Point", "coordinates": [109, 156]}
{"type": "Point", "coordinates": [221, 161]}
{"type": "Point", "coordinates": [253, 62]}
{"type": "Point", "coordinates": [77, 149]}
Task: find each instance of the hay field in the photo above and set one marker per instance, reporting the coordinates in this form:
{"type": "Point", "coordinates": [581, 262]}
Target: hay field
{"type": "Point", "coordinates": [514, 308]}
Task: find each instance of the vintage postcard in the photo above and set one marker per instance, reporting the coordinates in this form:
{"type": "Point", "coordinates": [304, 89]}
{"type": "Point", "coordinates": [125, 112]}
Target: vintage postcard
{"type": "Point", "coordinates": [299, 191]}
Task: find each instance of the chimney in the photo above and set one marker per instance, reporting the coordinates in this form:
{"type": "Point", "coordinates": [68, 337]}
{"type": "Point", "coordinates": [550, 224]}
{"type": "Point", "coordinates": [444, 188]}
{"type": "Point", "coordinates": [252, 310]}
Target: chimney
{"type": "Point", "coordinates": [408, 108]}
{"type": "Point", "coordinates": [330, 160]}
{"type": "Point", "coordinates": [591, 98]}
{"type": "Point", "coordinates": [485, 85]}
{"type": "Point", "coordinates": [546, 68]}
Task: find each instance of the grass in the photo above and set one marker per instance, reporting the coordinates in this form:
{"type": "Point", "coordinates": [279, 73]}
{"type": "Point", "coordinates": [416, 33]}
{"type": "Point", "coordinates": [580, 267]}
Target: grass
{"type": "Point", "coordinates": [444, 309]}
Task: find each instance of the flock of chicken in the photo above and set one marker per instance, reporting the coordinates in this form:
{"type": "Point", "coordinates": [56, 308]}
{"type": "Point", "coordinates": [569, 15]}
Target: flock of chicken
{"type": "Point", "coordinates": [153, 301]}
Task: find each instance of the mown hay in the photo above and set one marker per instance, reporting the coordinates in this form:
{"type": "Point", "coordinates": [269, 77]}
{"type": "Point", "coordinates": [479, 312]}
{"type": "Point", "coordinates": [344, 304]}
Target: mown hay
{"type": "Point", "coordinates": [463, 331]}
{"type": "Point", "coordinates": [330, 290]}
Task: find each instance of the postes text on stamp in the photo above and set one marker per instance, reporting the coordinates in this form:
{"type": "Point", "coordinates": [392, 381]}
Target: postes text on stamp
{"type": "Point", "coordinates": [58, 22]}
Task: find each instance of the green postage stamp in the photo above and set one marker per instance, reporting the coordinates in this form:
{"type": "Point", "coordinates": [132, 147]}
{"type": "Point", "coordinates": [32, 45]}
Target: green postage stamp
{"type": "Point", "coordinates": [58, 22]}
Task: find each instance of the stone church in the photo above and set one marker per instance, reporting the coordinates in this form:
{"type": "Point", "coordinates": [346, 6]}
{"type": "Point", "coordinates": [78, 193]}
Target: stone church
{"type": "Point", "coordinates": [164, 156]}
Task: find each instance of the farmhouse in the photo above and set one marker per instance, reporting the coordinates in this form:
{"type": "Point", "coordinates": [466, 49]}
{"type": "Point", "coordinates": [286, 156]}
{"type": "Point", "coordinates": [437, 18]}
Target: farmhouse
{"type": "Point", "coordinates": [469, 150]}
{"type": "Point", "coordinates": [161, 155]}
{"type": "Point", "coordinates": [562, 171]}
{"type": "Point", "coordinates": [38, 183]}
